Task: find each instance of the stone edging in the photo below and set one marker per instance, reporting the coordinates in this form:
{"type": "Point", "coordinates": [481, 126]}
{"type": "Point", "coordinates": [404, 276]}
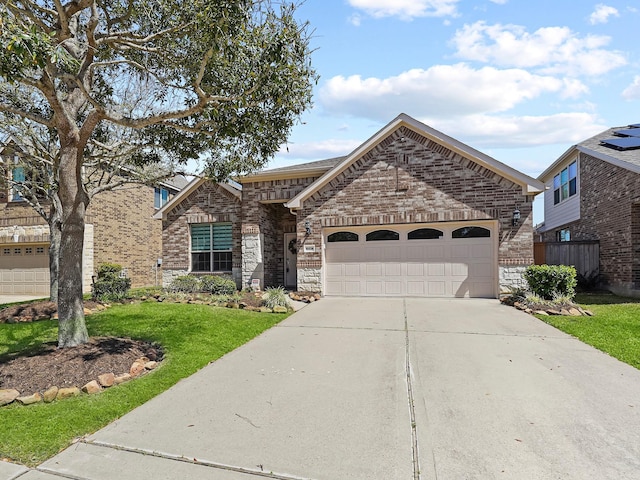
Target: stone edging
{"type": "Point", "coordinates": [139, 367]}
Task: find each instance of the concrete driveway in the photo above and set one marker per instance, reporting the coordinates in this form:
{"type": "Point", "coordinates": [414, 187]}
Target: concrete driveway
{"type": "Point", "coordinates": [383, 389]}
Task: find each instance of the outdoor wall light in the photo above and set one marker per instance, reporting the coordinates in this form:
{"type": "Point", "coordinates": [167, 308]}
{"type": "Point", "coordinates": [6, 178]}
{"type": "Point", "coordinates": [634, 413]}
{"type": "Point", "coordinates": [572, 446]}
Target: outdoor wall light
{"type": "Point", "coordinates": [307, 227]}
{"type": "Point", "coordinates": [516, 217]}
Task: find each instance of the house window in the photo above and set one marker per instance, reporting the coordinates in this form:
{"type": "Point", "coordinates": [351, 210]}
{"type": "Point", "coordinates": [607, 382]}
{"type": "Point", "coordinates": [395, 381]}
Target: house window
{"type": "Point", "coordinates": [382, 235]}
{"type": "Point", "coordinates": [343, 237]}
{"type": "Point", "coordinates": [471, 232]}
{"type": "Point", "coordinates": [565, 184]}
{"type": "Point", "coordinates": [39, 250]}
{"type": "Point", "coordinates": [17, 176]}
{"type": "Point", "coordinates": [161, 196]}
{"type": "Point", "coordinates": [425, 234]}
{"type": "Point", "coordinates": [6, 251]}
{"type": "Point", "coordinates": [211, 247]}
{"type": "Point", "coordinates": [563, 235]}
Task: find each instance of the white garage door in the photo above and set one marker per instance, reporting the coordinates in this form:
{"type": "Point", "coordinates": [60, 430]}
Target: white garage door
{"type": "Point", "coordinates": [436, 260]}
{"type": "Point", "coordinates": [24, 270]}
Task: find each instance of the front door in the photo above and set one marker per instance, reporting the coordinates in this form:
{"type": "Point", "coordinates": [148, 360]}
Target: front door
{"type": "Point", "coordinates": [290, 260]}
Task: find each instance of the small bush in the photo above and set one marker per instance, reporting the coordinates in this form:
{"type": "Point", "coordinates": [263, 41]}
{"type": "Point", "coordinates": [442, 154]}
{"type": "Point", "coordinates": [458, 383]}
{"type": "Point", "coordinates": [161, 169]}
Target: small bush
{"type": "Point", "coordinates": [217, 285]}
{"type": "Point", "coordinates": [276, 296]}
{"type": "Point", "coordinates": [109, 285]}
{"type": "Point", "coordinates": [549, 281]}
{"type": "Point", "coordinates": [184, 284]}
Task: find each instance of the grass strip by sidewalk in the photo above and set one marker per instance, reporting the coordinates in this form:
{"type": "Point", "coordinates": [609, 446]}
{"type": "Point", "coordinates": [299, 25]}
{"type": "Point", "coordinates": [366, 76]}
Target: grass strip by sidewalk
{"type": "Point", "coordinates": [614, 328]}
{"type": "Point", "coordinates": [191, 335]}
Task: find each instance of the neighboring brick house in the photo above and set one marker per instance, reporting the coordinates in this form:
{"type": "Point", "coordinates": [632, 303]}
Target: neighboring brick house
{"type": "Point", "coordinates": [409, 212]}
{"type": "Point", "coordinates": [119, 228]}
{"type": "Point", "coordinates": [594, 194]}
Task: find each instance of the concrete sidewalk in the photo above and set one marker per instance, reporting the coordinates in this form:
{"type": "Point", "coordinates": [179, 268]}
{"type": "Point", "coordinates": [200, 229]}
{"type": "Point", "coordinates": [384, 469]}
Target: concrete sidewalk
{"type": "Point", "coordinates": [382, 389]}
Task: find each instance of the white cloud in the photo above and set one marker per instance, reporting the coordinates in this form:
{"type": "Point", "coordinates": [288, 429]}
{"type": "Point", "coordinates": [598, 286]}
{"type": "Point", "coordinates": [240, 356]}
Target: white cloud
{"type": "Point", "coordinates": [550, 50]}
{"type": "Point", "coordinates": [355, 20]}
{"type": "Point", "coordinates": [442, 90]}
{"type": "Point", "coordinates": [505, 131]}
{"type": "Point", "coordinates": [602, 13]}
{"type": "Point", "coordinates": [406, 9]}
{"type": "Point", "coordinates": [500, 2]}
{"type": "Point", "coordinates": [632, 92]}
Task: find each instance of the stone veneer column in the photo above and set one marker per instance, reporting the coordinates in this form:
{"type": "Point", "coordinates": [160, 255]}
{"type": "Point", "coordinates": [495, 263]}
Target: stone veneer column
{"type": "Point", "coordinates": [252, 255]}
{"type": "Point", "coordinates": [87, 258]}
{"type": "Point", "coordinates": [511, 277]}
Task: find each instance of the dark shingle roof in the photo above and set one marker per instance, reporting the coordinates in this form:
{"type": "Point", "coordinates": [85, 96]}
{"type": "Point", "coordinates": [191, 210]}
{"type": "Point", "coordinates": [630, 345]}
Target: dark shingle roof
{"type": "Point", "coordinates": [594, 144]}
{"type": "Point", "coordinates": [328, 163]}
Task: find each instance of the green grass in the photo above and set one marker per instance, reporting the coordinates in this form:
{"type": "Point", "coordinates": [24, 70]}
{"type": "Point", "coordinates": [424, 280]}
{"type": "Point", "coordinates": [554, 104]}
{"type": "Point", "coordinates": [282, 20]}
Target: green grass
{"type": "Point", "coordinates": [614, 328]}
{"type": "Point", "coordinates": [192, 336]}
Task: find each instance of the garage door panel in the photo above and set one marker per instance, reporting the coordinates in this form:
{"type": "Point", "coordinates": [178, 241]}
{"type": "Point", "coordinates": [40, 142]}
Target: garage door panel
{"type": "Point", "coordinates": [459, 270]}
{"type": "Point", "coordinates": [335, 270]}
{"type": "Point", "coordinates": [436, 269]}
{"type": "Point", "coordinates": [23, 271]}
{"type": "Point", "coordinates": [416, 287]}
{"type": "Point", "coordinates": [393, 287]}
{"type": "Point", "coordinates": [436, 289]}
{"type": "Point", "coordinates": [352, 288]}
{"type": "Point", "coordinates": [373, 269]}
{"type": "Point", "coordinates": [415, 269]}
{"type": "Point", "coordinates": [352, 269]}
{"type": "Point", "coordinates": [392, 269]}
{"type": "Point", "coordinates": [374, 287]}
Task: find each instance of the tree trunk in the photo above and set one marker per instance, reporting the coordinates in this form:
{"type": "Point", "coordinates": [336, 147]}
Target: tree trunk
{"type": "Point", "coordinates": [72, 329]}
{"type": "Point", "coordinates": [55, 233]}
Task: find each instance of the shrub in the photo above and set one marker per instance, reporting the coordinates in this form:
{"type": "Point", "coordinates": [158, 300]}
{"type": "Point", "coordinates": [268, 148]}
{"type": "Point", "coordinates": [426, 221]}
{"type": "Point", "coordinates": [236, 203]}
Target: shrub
{"type": "Point", "coordinates": [549, 281]}
{"type": "Point", "coordinates": [184, 284]}
{"type": "Point", "coordinates": [276, 296]}
{"type": "Point", "coordinates": [110, 285]}
{"type": "Point", "coordinates": [217, 285]}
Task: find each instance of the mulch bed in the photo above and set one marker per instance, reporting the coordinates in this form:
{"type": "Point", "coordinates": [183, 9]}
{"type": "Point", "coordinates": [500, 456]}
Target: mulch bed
{"type": "Point", "coordinates": [76, 366]}
{"type": "Point", "coordinates": [29, 312]}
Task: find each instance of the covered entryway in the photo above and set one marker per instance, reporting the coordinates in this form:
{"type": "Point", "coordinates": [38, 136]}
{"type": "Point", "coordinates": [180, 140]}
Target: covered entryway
{"type": "Point", "coordinates": [24, 269]}
{"type": "Point", "coordinates": [429, 260]}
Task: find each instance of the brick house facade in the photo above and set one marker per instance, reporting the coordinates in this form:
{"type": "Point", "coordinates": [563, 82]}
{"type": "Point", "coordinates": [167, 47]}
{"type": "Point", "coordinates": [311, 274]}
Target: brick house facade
{"type": "Point", "coordinates": [398, 216]}
{"type": "Point", "coordinates": [119, 229]}
{"type": "Point", "coordinates": [605, 207]}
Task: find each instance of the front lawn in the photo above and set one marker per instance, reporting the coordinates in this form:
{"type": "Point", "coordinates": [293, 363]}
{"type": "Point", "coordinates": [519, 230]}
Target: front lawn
{"type": "Point", "coordinates": [191, 335]}
{"type": "Point", "coordinates": [614, 328]}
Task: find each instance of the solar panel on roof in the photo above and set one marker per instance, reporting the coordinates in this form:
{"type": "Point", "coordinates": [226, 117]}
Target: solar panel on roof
{"type": "Point", "coordinates": [623, 143]}
{"type": "Point", "coordinates": [628, 132]}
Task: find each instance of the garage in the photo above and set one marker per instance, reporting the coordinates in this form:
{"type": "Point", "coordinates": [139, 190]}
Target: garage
{"type": "Point", "coordinates": [24, 270]}
{"type": "Point", "coordinates": [456, 259]}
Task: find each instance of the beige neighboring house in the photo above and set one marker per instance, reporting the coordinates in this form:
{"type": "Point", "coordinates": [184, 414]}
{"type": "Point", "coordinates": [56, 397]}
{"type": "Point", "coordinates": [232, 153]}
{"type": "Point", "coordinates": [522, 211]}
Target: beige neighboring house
{"type": "Point", "coordinates": [410, 212]}
{"type": "Point", "coordinates": [119, 229]}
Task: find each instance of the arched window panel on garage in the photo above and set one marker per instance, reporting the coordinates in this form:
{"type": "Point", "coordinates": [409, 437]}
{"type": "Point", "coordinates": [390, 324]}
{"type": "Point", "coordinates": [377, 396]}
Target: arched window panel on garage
{"type": "Point", "coordinates": [382, 235]}
{"type": "Point", "coordinates": [343, 237]}
{"type": "Point", "coordinates": [471, 232]}
{"type": "Point", "coordinates": [425, 234]}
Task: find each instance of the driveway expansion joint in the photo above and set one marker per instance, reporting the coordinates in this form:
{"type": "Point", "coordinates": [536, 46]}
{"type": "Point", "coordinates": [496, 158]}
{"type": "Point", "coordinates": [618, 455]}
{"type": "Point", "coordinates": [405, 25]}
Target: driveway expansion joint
{"type": "Point", "coordinates": [412, 412]}
{"type": "Point", "coordinates": [194, 461]}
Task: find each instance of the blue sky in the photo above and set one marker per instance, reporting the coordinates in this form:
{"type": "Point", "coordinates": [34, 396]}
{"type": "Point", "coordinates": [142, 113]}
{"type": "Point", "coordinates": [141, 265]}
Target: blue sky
{"type": "Point", "coordinates": [520, 80]}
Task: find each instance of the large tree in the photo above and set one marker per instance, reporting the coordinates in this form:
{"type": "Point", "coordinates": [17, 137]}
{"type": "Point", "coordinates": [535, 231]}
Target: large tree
{"type": "Point", "coordinates": [160, 81]}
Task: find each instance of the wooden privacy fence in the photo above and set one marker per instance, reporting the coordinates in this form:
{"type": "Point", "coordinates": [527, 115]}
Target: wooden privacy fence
{"type": "Point", "coordinates": [585, 256]}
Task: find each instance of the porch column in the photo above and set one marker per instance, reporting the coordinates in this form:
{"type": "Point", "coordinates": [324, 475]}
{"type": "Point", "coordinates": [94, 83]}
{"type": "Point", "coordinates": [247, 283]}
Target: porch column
{"type": "Point", "coordinates": [252, 255]}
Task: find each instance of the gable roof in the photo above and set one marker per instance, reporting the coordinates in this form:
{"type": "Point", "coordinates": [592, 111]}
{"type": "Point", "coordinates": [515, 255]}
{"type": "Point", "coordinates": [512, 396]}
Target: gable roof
{"type": "Point", "coordinates": [309, 169]}
{"type": "Point", "coordinates": [628, 159]}
{"type": "Point", "coordinates": [188, 190]}
{"type": "Point", "coordinates": [529, 185]}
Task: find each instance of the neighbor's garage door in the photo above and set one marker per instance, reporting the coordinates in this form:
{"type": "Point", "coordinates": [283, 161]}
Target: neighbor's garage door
{"type": "Point", "coordinates": [24, 270]}
{"type": "Point", "coordinates": [437, 260]}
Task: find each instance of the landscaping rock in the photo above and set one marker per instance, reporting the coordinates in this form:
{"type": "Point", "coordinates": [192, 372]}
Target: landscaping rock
{"type": "Point", "coordinates": [265, 310]}
{"type": "Point", "coordinates": [280, 309]}
{"type": "Point", "coordinates": [564, 311]}
{"type": "Point", "coordinates": [106, 379]}
{"type": "Point", "coordinates": [30, 399]}
{"type": "Point", "coordinates": [125, 377]}
{"type": "Point", "coordinates": [50, 395]}
{"type": "Point", "coordinates": [136, 368]}
{"type": "Point", "coordinates": [8, 395]}
{"type": "Point", "coordinates": [575, 312]}
{"type": "Point", "coordinates": [588, 313]}
{"type": "Point", "coordinates": [150, 365]}
{"type": "Point", "coordinates": [541, 312]}
{"type": "Point", "coordinates": [92, 387]}
{"type": "Point", "coordinates": [67, 393]}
